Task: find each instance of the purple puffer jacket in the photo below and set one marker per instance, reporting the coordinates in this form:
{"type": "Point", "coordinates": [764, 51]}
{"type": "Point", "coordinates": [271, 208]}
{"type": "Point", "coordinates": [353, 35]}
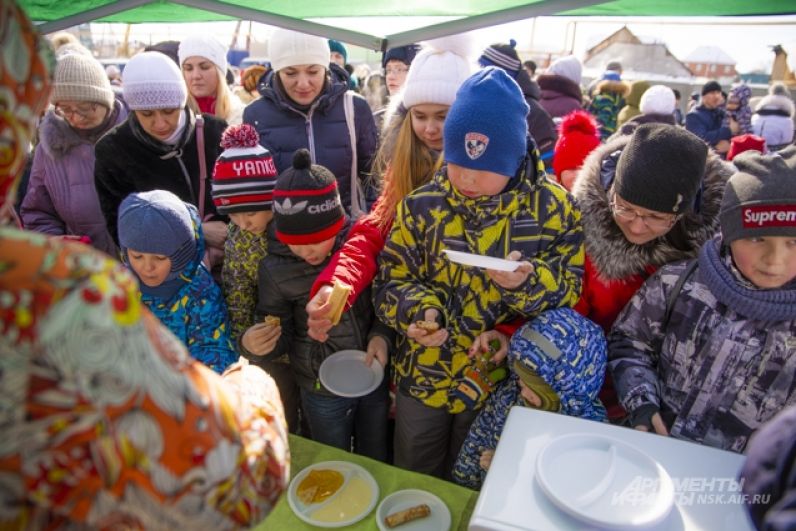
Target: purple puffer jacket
{"type": "Point", "coordinates": [560, 95]}
{"type": "Point", "coordinates": [61, 198]}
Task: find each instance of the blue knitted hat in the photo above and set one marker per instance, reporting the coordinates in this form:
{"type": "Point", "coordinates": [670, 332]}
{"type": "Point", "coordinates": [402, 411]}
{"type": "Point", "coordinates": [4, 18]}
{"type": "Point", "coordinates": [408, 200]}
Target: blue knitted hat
{"type": "Point", "coordinates": [485, 128]}
{"type": "Point", "coordinates": [568, 352]}
{"type": "Point", "coordinates": [337, 46]}
{"type": "Point", "coordinates": [405, 54]}
{"type": "Point", "coordinates": [158, 222]}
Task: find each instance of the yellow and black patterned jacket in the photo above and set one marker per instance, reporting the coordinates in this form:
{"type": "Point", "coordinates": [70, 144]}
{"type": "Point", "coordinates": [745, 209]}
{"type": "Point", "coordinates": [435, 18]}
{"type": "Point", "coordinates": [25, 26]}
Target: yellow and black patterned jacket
{"type": "Point", "coordinates": [534, 216]}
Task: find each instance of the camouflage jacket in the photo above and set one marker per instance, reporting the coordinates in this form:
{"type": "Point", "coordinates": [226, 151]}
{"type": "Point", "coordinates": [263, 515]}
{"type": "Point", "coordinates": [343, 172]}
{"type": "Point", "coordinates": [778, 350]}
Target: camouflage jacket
{"type": "Point", "coordinates": [243, 252]}
{"type": "Point", "coordinates": [723, 364]}
{"type": "Point", "coordinates": [535, 216]}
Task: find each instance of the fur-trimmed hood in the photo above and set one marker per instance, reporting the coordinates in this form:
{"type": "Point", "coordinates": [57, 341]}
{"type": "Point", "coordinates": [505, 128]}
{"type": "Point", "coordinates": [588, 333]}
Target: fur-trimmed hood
{"type": "Point", "coordinates": [607, 86]}
{"type": "Point", "coordinates": [614, 256]}
{"type": "Point", "coordinates": [774, 102]}
{"type": "Point", "coordinates": [551, 84]}
{"type": "Point", "coordinates": [58, 138]}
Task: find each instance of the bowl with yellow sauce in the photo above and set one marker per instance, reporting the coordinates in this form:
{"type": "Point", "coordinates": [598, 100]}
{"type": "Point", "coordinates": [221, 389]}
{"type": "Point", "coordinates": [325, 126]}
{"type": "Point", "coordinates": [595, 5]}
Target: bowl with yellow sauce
{"type": "Point", "coordinates": [333, 494]}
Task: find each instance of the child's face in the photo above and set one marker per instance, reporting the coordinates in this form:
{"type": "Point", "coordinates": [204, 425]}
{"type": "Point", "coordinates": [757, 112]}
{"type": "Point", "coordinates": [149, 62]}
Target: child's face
{"type": "Point", "coordinates": [152, 269]}
{"type": "Point", "coordinates": [254, 222]}
{"type": "Point", "coordinates": [428, 119]}
{"type": "Point", "coordinates": [768, 262]}
{"type": "Point", "coordinates": [314, 253]}
{"type": "Point", "coordinates": [529, 395]}
{"type": "Point", "coordinates": [476, 183]}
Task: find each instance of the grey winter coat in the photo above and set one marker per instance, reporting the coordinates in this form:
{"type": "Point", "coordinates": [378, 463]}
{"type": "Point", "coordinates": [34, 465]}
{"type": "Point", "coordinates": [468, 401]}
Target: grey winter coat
{"type": "Point", "coordinates": [723, 364]}
{"type": "Point", "coordinates": [773, 120]}
{"type": "Point", "coordinates": [285, 128]}
{"type": "Point", "coordinates": [61, 198]}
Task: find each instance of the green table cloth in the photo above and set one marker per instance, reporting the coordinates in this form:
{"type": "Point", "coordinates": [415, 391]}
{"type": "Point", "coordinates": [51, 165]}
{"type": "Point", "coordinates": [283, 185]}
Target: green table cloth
{"type": "Point", "coordinates": [304, 452]}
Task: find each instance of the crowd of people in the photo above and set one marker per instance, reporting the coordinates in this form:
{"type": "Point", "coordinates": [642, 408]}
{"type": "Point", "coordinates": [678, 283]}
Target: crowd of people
{"type": "Point", "coordinates": [152, 380]}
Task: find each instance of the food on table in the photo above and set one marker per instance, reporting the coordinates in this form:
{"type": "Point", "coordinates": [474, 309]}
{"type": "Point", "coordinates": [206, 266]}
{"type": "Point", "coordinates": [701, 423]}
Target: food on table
{"type": "Point", "coordinates": [407, 515]}
{"type": "Point", "coordinates": [271, 320]}
{"type": "Point", "coordinates": [337, 300]}
{"type": "Point", "coordinates": [353, 499]}
{"type": "Point", "coordinates": [428, 326]}
{"type": "Point", "coordinates": [319, 485]}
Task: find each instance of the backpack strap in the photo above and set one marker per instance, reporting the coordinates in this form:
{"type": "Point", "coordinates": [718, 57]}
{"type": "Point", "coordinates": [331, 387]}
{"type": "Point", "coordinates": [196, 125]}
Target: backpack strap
{"type": "Point", "coordinates": [678, 287]}
{"type": "Point", "coordinates": [200, 150]}
{"type": "Point", "coordinates": [358, 205]}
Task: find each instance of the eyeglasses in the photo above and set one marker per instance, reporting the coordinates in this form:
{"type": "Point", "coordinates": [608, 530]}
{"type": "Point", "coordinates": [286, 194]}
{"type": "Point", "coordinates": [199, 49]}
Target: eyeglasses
{"type": "Point", "coordinates": [397, 71]}
{"type": "Point", "coordinates": [652, 221]}
{"type": "Point", "coordinates": [82, 111]}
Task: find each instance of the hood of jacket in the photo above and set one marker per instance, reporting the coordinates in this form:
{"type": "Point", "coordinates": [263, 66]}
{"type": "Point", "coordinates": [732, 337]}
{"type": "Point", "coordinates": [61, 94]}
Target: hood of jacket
{"type": "Point", "coordinates": [609, 86]}
{"type": "Point", "coordinates": [58, 138]}
{"type": "Point", "coordinates": [775, 102]}
{"type": "Point", "coordinates": [629, 126]}
{"type": "Point", "coordinates": [553, 84]}
{"type": "Point", "coordinates": [637, 89]}
{"type": "Point", "coordinates": [336, 86]}
{"type": "Point", "coordinates": [613, 256]}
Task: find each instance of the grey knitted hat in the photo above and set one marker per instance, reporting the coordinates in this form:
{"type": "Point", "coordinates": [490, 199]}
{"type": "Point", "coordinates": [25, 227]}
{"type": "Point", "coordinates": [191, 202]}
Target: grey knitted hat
{"type": "Point", "coordinates": [760, 200]}
{"type": "Point", "coordinates": [80, 77]}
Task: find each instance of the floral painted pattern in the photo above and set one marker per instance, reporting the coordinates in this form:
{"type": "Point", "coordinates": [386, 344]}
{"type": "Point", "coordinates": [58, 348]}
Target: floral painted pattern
{"type": "Point", "coordinates": [106, 419]}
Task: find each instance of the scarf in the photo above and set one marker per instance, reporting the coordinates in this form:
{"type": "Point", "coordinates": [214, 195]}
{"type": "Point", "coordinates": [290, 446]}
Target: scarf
{"type": "Point", "coordinates": [207, 104]}
{"type": "Point", "coordinates": [94, 134]}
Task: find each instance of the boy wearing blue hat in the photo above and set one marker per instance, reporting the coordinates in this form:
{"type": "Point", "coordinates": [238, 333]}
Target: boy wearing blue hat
{"type": "Point", "coordinates": [558, 364]}
{"type": "Point", "coordinates": [491, 198]}
{"type": "Point", "coordinates": [162, 243]}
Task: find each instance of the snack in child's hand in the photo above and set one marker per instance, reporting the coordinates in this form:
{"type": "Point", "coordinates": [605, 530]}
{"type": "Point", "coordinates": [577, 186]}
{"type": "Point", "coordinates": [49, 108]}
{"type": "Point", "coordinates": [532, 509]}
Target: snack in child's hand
{"type": "Point", "coordinates": [428, 326]}
{"type": "Point", "coordinates": [407, 515]}
{"type": "Point", "coordinates": [271, 320]}
{"type": "Point", "coordinates": [337, 300]}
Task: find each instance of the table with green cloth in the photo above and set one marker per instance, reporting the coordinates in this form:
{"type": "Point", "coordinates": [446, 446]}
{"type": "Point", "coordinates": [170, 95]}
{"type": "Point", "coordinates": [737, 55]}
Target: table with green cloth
{"type": "Point", "coordinates": [304, 452]}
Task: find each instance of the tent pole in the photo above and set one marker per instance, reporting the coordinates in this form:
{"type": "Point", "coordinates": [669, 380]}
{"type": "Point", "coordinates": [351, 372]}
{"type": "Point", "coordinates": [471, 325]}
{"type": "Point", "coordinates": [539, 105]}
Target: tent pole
{"type": "Point", "coordinates": [90, 15]}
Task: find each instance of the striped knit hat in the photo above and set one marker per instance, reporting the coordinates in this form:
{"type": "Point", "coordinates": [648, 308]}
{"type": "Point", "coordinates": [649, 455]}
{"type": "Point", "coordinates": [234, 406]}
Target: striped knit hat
{"type": "Point", "coordinates": [244, 174]}
{"type": "Point", "coordinates": [503, 56]}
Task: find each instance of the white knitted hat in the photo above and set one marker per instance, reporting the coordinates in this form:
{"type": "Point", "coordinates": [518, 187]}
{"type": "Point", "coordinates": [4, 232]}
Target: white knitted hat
{"type": "Point", "coordinates": [290, 48]}
{"type": "Point", "coordinates": [658, 99]}
{"type": "Point", "coordinates": [568, 66]}
{"type": "Point", "coordinates": [151, 80]}
{"type": "Point", "coordinates": [434, 77]}
{"type": "Point", "coordinates": [80, 77]}
{"type": "Point", "coordinates": [205, 46]}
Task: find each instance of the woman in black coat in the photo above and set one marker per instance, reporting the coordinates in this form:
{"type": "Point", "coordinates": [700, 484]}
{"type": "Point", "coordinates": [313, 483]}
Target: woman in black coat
{"type": "Point", "coordinates": [159, 146]}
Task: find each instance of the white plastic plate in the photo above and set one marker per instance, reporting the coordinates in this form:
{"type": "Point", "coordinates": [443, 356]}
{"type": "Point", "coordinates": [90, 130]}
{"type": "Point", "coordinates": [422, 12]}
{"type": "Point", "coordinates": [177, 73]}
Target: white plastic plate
{"type": "Point", "coordinates": [604, 482]}
{"type": "Point", "coordinates": [485, 262]}
{"type": "Point", "coordinates": [344, 373]}
{"type": "Point", "coordinates": [346, 515]}
{"type": "Point", "coordinates": [438, 520]}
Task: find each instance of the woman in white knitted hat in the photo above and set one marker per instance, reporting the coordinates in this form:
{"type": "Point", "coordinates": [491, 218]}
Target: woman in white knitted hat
{"type": "Point", "coordinates": [203, 60]}
{"type": "Point", "coordinates": [159, 146]}
{"type": "Point", "coordinates": [303, 106]}
{"type": "Point", "coordinates": [60, 199]}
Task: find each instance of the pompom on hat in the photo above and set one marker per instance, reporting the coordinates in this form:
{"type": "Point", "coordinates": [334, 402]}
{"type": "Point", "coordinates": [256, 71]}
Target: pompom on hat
{"type": "Point", "coordinates": [742, 143]}
{"type": "Point", "coordinates": [486, 127]}
{"type": "Point", "coordinates": [80, 77]}
{"type": "Point", "coordinates": [307, 206]}
{"type": "Point", "coordinates": [244, 174]}
{"type": "Point", "coordinates": [152, 81]}
{"type": "Point", "coordinates": [578, 135]}
{"type": "Point", "coordinates": [204, 45]}
{"type": "Point", "coordinates": [291, 48]}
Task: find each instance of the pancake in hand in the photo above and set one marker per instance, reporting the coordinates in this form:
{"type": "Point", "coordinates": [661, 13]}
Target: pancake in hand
{"type": "Point", "coordinates": [428, 326]}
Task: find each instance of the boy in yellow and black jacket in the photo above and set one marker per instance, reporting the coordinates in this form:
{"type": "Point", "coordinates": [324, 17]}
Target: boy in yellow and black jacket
{"type": "Point", "coordinates": [492, 198]}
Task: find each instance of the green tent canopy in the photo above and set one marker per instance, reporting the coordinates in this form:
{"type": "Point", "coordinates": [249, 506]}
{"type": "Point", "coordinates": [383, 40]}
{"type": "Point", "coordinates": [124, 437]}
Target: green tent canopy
{"type": "Point", "coordinates": [471, 14]}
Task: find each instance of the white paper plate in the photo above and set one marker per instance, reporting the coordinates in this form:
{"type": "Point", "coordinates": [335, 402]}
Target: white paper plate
{"type": "Point", "coordinates": [604, 481]}
{"type": "Point", "coordinates": [344, 373]}
{"type": "Point", "coordinates": [485, 262]}
{"type": "Point", "coordinates": [336, 504]}
{"type": "Point", "coordinates": [438, 520]}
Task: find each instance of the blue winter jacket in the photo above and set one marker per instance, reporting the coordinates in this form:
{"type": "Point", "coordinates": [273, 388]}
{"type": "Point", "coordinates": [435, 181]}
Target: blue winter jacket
{"type": "Point", "coordinates": [706, 124]}
{"type": "Point", "coordinates": [284, 128]}
{"type": "Point", "coordinates": [196, 314]}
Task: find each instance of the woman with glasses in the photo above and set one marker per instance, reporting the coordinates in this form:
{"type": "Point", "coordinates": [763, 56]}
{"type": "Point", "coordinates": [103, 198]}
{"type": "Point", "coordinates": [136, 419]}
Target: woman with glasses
{"type": "Point", "coordinates": [161, 146]}
{"type": "Point", "coordinates": [647, 199]}
{"type": "Point", "coordinates": [61, 199]}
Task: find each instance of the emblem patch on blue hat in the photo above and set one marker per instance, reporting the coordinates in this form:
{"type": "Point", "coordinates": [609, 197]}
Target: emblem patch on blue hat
{"type": "Point", "coordinates": [475, 144]}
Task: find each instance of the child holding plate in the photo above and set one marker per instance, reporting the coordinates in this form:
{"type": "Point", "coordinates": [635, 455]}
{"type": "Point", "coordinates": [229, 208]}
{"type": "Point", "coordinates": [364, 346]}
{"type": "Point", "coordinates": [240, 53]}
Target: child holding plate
{"type": "Point", "coordinates": [309, 225]}
{"type": "Point", "coordinates": [492, 198]}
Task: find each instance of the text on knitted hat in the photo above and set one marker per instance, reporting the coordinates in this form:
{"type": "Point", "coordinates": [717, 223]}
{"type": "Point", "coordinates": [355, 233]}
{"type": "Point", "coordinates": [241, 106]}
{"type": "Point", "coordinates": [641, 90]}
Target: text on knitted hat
{"type": "Point", "coordinates": [769, 216]}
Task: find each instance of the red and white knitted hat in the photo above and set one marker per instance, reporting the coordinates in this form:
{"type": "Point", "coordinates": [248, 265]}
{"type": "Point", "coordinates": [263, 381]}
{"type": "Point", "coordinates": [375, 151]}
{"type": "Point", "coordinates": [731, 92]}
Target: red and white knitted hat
{"type": "Point", "coordinates": [244, 174]}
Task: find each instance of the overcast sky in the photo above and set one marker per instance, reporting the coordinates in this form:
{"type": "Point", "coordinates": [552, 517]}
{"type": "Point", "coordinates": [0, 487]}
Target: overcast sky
{"type": "Point", "coordinates": [747, 41]}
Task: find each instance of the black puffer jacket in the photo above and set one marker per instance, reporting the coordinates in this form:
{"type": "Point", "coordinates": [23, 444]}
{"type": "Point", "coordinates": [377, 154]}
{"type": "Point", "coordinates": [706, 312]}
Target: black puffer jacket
{"type": "Point", "coordinates": [125, 164]}
{"type": "Point", "coordinates": [283, 284]}
{"type": "Point", "coordinates": [540, 124]}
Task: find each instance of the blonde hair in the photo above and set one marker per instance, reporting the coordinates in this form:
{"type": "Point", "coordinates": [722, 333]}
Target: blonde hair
{"type": "Point", "coordinates": [404, 165]}
{"type": "Point", "coordinates": [223, 98]}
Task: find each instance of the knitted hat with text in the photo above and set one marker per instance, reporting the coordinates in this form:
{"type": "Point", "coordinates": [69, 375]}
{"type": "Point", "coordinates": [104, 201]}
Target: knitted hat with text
{"type": "Point", "coordinates": [307, 207]}
{"type": "Point", "coordinates": [244, 174]}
